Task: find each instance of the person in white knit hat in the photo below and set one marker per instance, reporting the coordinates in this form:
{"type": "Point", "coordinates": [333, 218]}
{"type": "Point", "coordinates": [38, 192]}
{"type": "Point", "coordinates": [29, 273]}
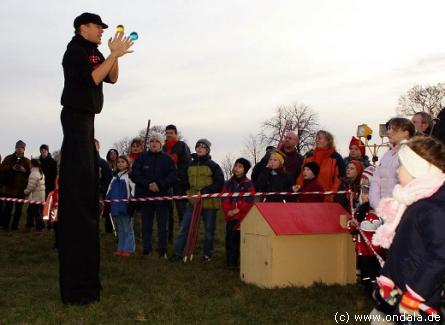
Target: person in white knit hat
{"type": "Point", "coordinates": [414, 232]}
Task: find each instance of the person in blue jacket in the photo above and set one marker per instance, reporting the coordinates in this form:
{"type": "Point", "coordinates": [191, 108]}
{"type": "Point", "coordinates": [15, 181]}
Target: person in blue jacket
{"type": "Point", "coordinates": [154, 172]}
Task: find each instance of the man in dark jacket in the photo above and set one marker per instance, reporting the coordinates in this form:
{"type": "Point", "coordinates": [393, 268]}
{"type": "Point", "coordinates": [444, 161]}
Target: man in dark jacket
{"type": "Point", "coordinates": [154, 172]}
{"type": "Point", "coordinates": [293, 160]}
{"type": "Point", "coordinates": [439, 128]}
{"type": "Point", "coordinates": [49, 168]}
{"type": "Point", "coordinates": [15, 170]}
{"type": "Point", "coordinates": [85, 69]}
{"type": "Point", "coordinates": [180, 153]}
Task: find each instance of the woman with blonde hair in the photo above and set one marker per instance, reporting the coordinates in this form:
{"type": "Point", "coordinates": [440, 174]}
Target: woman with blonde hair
{"type": "Point", "coordinates": [332, 166]}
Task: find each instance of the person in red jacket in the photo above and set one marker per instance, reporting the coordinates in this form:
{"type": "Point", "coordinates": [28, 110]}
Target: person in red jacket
{"type": "Point", "coordinates": [367, 221]}
{"type": "Point", "coordinates": [235, 209]}
{"type": "Point", "coordinates": [310, 184]}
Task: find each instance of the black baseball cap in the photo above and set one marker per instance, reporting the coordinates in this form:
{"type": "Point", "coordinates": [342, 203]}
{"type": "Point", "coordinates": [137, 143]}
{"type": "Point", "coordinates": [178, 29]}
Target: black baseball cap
{"type": "Point", "coordinates": [87, 18]}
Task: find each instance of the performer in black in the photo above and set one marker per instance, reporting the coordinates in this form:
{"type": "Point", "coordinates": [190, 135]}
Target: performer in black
{"type": "Point", "coordinates": [84, 68]}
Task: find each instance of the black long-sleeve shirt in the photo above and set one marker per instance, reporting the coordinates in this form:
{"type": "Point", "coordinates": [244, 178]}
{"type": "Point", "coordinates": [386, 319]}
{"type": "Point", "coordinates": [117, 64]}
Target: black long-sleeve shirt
{"type": "Point", "coordinates": [80, 92]}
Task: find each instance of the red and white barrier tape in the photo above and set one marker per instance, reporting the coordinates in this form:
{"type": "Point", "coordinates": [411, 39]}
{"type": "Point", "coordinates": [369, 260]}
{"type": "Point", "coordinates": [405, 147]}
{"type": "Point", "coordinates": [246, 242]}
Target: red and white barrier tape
{"type": "Point", "coordinates": [180, 197]}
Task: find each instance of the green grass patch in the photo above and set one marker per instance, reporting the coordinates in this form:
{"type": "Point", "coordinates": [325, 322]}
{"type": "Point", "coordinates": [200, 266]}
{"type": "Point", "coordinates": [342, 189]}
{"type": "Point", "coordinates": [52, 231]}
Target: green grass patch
{"type": "Point", "coordinates": [149, 290]}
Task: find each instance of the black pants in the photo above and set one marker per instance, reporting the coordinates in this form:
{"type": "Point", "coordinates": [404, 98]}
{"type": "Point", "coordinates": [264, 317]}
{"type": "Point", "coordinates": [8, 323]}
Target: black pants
{"type": "Point", "coordinates": [35, 217]}
{"type": "Point", "coordinates": [7, 214]}
{"type": "Point", "coordinates": [78, 225]}
{"type": "Point", "coordinates": [369, 269]}
{"type": "Point", "coordinates": [232, 243]}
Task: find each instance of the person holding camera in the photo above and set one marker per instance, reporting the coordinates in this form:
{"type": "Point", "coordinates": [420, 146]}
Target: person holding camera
{"type": "Point", "coordinates": [14, 170]}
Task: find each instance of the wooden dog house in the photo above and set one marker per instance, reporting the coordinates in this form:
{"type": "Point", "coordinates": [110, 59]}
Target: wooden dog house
{"type": "Point", "coordinates": [296, 244]}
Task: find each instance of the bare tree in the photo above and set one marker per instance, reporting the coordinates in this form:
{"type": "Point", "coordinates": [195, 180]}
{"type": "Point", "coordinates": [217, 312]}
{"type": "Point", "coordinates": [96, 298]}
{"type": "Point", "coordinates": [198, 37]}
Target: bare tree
{"type": "Point", "coordinates": [254, 147]}
{"type": "Point", "coordinates": [227, 164]}
{"type": "Point", "coordinates": [296, 117]}
{"type": "Point", "coordinates": [422, 99]}
{"type": "Point", "coordinates": [122, 146]}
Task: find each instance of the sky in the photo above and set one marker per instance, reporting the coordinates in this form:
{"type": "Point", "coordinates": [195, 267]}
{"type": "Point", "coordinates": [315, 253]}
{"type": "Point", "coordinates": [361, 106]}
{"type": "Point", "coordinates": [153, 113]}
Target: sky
{"type": "Point", "coordinates": [218, 69]}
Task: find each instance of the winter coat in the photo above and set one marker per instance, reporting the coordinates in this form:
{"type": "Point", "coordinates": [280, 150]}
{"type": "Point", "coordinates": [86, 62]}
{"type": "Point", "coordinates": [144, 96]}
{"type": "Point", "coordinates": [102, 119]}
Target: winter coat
{"type": "Point", "coordinates": [344, 199]}
{"type": "Point", "coordinates": [332, 168]}
{"type": "Point", "coordinates": [105, 176]}
{"type": "Point", "coordinates": [416, 257]}
{"type": "Point", "coordinates": [368, 224]}
{"type": "Point", "coordinates": [311, 185]}
{"type": "Point", "coordinates": [205, 176]}
{"type": "Point", "coordinates": [155, 167]}
{"type": "Point", "coordinates": [180, 153]}
{"type": "Point", "coordinates": [121, 187]}
{"type": "Point", "coordinates": [49, 167]}
{"type": "Point", "coordinates": [259, 168]}
{"type": "Point", "coordinates": [274, 181]}
{"type": "Point", "coordinates": [438, 131]}
{"type": "Point", "coordinates": [385, 178]}
{"type": "Point", "coordinates": [243, 203]}
{"type": "Point", "coordinates": [35, 190]}
{"type": "Point", "coordinates": [292, 165]}
{"type": "Point", "coordinates": [19, 180]}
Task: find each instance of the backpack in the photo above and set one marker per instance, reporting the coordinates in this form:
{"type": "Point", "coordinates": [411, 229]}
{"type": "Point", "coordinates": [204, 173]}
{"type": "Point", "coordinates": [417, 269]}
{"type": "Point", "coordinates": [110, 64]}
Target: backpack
{"type": "Point", "coordinates": [118, 190]}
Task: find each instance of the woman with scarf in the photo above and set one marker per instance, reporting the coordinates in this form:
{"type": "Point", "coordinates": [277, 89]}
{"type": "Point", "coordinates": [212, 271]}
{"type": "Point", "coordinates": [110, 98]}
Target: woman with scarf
{"type": "Point", "coordinates": [414, 232]}
{"type": "Point", "coordinates": [332, 167]}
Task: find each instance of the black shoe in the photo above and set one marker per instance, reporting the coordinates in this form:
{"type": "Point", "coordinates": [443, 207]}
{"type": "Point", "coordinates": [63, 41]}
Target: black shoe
{"type": "Point", "coordinates": [175, 258]}
{"type": "Point", "coordinates": [146, 252]}
{"type": "Point", "coordinates": [163, 255]}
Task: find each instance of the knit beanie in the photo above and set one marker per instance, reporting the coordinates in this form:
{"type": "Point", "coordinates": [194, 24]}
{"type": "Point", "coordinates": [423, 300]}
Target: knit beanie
{"type": "Point", "coordinates": [156, 137]}
{"type": "Point", "coordinates": [313, 166]}
{"type": "Point", "coordinates": [20, 143]}
{"type": "Point", "coordinates": [204, 142]}
{"type": "Point", "coordinates": [280, 156]}
{"type": "Point", "coordinates": [357, 142]}
{"type": "Point", "coordinates": [415, 164]}
{"type": "Point", "coordinates": [246, 164]}
{"type": "Point", "coordinates": [369, 173]}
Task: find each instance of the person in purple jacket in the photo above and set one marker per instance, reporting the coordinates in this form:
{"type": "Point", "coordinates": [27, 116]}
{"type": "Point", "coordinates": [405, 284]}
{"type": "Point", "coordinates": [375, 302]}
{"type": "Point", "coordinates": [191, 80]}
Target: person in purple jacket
{"type": "Point", "coordinates": [385, 176]}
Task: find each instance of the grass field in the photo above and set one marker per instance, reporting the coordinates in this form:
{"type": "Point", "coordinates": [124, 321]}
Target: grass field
{"type": "Point", "coordinates": [149, 290]}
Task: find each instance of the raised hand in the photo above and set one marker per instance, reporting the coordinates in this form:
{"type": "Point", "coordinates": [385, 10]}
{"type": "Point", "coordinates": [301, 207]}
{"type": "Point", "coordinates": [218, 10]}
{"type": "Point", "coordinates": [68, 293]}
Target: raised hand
{"type": "Point", "coordinates": [119, 45]}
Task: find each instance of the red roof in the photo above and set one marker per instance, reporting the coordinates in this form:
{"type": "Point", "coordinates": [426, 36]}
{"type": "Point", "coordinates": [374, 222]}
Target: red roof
{"type": "Point", "coordinates": [303, 218]}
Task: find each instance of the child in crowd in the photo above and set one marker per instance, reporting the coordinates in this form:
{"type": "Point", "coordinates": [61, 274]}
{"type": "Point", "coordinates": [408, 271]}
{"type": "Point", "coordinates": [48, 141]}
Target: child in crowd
{"type": "Point", "coordinates": [357, 152]}
{"type": "Point", "coordinates": [111, 158]}
{"type": "Point", "coordinates": [351, 182]}
{"type": "Point", "coordinates": [154, 172]}
{"type": "Point", "coordinates": [413, 231]}
{"type": "Point", "coordinates": [310, 184]}
{"type": "Point", "coordinates": [35, 190]}
{"type": "Point", "coordinates": [203, 176]}
{"type": "Point", "coordinates": [121, 187]}
{"type": "Point", "coordinates": [274, 178]}
{"type": "Point", "coordinates": [136, 149]}
{"type": "Point", "coordinates": [367, 221]}
{"type": "Point", "coordinates": [236, 208]}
